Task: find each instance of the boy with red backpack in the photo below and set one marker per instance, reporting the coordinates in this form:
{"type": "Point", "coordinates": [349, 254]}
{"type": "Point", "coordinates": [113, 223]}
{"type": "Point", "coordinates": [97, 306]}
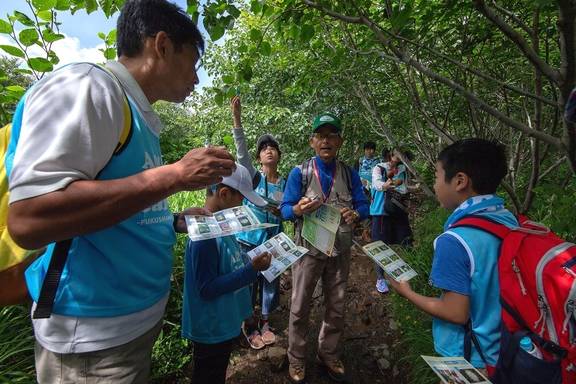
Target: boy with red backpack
{"type": "Point", "coordinates": [465, 265]}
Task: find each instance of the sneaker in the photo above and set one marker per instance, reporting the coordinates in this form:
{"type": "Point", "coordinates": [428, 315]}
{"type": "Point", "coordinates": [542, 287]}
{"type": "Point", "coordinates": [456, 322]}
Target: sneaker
{"type": "Point", "coordinates": [381, 286]}
{"type": "Point", "coordinates": [297, 373]}
{"type": "Point", "coordinates": [334, 368]}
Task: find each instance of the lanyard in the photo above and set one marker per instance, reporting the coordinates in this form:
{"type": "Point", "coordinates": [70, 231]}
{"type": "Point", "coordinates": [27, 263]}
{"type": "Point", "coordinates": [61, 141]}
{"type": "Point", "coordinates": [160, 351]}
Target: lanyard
{"type": "Point", "coordinates": [324, 197]}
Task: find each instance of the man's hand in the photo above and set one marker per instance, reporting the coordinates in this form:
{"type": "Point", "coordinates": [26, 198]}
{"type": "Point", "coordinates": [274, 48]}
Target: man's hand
{"type": "Point", "coordinates": [350, 216]}
{"type": "Point", "coordinates": [306, 205]}
{"type": "Point", "coordinates": [261, 262]}
{"type": "Point", "coordinates": [236, 108]}
{"type": "Point", "coordinates": [180, 224]}
{"type": "Point", "coordinates": [388, 184]}
{"type": "Point", "coordinates": [274, 210]}
{"type": "Point", "coordinates": [403, 288]}
{"type": "Point", "coordinates": [202, 167]}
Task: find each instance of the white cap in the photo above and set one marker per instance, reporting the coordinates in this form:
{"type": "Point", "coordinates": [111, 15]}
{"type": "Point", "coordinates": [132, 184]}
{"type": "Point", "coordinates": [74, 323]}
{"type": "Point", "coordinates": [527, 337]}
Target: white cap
{"type": "Point", "coordinates": [241, 181]}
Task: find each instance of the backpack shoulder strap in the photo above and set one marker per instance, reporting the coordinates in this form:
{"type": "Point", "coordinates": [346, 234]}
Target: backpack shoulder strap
{"type": "Point", "coordinates": [305, 169]}
{"type": "Point", "coordinates": [483, 223]}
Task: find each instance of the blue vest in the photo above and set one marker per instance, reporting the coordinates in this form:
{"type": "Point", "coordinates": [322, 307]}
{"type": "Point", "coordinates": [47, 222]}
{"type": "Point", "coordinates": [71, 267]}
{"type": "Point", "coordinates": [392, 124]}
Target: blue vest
{"type": "Point", "coordinates": [484, 296]}
{"type": "Point", "coordinates": [365, 167]}
{"type": "Point", "coordinates": [259, 236]}
{"type": "Point", "coordinates": [220, 319]}
{"type": "Point", "coordinates": [125, 268]}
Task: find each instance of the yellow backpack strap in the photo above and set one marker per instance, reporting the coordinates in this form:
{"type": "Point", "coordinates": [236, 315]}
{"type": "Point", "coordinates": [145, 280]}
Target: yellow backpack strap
{"type": "Point", "coordinates": [127, 112]}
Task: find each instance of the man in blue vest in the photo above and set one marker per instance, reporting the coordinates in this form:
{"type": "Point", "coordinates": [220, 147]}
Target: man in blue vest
{"type": "Point", "coordinates": [71, 180]}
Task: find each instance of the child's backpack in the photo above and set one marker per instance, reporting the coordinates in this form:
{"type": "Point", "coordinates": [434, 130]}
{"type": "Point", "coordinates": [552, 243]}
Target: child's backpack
{"type": "Point", "coordinates": [537, 275]}
{"type": "Point", "coordinates": [13, 259]}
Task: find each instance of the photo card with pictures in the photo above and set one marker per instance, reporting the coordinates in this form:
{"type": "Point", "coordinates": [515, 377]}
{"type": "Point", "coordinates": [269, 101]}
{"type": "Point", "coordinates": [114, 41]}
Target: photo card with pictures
{"type": "Point", "coordinates": [455, 370]}
{"type": "Point", "coordinates": [223, 223]}
{"type": "Point", "coordinates": [388, 259]}
{"type": "Point", "coordinates": [283, 251]}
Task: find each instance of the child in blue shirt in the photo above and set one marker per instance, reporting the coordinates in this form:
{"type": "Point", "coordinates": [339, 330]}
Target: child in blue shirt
{"type": "Point", "coordinates": [465, 265]}
{"type": "Point", "coordinates": [216, 279]}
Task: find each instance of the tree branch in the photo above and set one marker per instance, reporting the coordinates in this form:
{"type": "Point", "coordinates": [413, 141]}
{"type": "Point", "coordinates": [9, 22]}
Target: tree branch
{"type": "Point", "coordinates": [517, 39]}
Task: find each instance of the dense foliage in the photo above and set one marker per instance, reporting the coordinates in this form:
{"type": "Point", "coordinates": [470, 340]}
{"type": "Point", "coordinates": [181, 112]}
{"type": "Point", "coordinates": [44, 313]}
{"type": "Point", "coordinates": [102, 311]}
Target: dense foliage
{"type": "Point", "coordinates": [412, 73]}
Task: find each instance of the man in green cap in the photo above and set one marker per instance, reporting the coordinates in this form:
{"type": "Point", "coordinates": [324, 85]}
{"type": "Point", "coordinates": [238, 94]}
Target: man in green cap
{"type": "Point", "coordinates": [323, 179]}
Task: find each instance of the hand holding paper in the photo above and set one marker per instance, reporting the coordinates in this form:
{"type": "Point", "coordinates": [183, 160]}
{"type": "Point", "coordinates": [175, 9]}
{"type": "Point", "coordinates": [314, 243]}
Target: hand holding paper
{"type": "Point", "coordinates": [261, 262]}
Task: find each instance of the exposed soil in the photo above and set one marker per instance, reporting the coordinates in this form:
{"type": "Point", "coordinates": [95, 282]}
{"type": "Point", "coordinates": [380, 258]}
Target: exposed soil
{"type": "Point", "coordinates": [369, 347]}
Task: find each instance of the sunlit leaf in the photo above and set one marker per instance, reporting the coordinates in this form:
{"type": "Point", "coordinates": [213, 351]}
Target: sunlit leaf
{"type": "Point", "coordinates": [40, 64]}
{"type": "Point", "coordinates": [14, 51]}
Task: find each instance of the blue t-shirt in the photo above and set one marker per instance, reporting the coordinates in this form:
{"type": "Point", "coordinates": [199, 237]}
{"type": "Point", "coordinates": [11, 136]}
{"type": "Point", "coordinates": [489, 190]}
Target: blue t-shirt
{"type": "Point", "coordinates": [216, 293]}
{"type": "Point", "coordinates": [451, 266]}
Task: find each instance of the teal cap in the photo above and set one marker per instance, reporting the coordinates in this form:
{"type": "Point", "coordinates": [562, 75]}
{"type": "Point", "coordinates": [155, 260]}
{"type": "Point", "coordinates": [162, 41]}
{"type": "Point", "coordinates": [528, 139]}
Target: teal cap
{"type": "Point", "coordinates": [327, 118]}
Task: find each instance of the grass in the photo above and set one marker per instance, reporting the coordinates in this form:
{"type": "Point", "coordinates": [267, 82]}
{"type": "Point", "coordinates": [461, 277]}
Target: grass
{"type": "Point", "coordinates": [16, 345]}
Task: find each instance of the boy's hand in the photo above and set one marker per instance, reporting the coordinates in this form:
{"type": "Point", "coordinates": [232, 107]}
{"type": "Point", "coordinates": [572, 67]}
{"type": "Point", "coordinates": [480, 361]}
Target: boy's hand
{"type": "Point", "coordinates": [261, 262]}
{"type": "Point", "coordinates": [350, 216]}
{"type": "Point", "coordinates": [306, 205]}
{"type": "Point", "coordinates": [275, 211]}
{"type": "Point", "coordinates": [236, 108]}
{"type": "Point", "coordinates": [180, 224]}
{"type": "Point", "coordinates": [388, 184]}
{"type": "Point", "coordinates": [403, 288]}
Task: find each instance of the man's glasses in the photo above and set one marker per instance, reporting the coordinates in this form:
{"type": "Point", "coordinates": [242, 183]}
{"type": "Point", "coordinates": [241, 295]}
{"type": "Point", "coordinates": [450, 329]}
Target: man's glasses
{"type": "Point", "coordinates": [329, 135]}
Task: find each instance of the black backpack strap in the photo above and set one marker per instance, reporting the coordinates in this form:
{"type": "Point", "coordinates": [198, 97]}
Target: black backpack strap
{"type": "Point", "coordinates": [547, 345]}
{"type": "Point", "coordinates": [469, 339]}
{"type": "Point", "coordinates": [305, 170]}
{"type": "Point", "coordinates": [45, 301]}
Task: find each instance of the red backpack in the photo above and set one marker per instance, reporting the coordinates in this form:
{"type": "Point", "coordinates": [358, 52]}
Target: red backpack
{"type": "Point", "coordinates": [537, 275]}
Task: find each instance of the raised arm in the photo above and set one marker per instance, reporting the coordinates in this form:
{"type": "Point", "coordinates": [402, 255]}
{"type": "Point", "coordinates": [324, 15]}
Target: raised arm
{"type": "Point", "coordinates": [239, 139]}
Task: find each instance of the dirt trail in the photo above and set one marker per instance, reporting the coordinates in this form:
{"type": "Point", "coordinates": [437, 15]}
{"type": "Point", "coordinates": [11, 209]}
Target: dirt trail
{"type": "Point", "coordinates": [370, 347]}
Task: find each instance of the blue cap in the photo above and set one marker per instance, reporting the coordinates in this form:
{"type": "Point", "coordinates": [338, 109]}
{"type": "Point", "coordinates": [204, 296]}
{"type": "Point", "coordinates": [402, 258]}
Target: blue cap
{"type": "Point", "coordinates": [526, 343]}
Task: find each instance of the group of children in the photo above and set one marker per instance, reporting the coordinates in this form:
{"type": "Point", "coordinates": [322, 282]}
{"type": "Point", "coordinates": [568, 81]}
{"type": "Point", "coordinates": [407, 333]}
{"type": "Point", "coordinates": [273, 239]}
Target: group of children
{"type": "Point", "coordinates": [218, 301]}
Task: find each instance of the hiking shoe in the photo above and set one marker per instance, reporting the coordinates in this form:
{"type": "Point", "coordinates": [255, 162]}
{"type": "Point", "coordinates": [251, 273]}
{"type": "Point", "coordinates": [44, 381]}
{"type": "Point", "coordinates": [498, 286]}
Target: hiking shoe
{"type": "Point", "coordinates": [297, 373]}
{"type": "Point", "coordinates": [334, 368]}
{"type": "Point", "coordinates": [381, 286]}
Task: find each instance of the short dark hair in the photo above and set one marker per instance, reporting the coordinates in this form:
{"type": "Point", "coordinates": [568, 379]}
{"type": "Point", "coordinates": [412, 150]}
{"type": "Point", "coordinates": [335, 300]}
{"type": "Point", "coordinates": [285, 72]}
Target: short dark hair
{"type": "Point", "coordinates": [483, 161]}
{"type": "Point", "coordinates": [370, 145]}
{"type": "Point", "coordinates": [385, 154]}
{"type": "Point", "coordinates": [140, 19]}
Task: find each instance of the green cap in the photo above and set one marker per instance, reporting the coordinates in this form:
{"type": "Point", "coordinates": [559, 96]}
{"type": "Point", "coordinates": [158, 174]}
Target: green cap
{"type": "Point", "coordinates": [327, 118]}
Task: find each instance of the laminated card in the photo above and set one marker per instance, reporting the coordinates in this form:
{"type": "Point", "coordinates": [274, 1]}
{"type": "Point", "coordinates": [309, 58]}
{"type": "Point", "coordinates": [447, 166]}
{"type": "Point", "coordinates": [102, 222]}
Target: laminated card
{"type": "Point", "coordinates": [455, 370]}
{"type": "Point", "coordinates": [389, 260]}
{"type": "Point", "coordinates": [223, 223]}
{"type": "Point", "coordinates": [320, 228]}
{"type": "Point", "coordinates": [283, 251]}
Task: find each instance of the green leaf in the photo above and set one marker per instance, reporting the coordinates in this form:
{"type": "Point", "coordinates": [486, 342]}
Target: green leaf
{"type": "Point", "coordinates": [265, 48]}
{"type": "Point", "coordinates": [216, 32]}
{"type": "Point", "coordinates": [43, 5]}
{"type": "Point", "coordinates": [307, 32]}
{"type": "Point", "coordinates": [40, 64]}
{"type": "Point", "coordinates": [45, 15]}
{"type": "Point", "coordinates": [54, 59]}
{"type": "Point", "coordinates": [219, 98]}
{"type": "Point", "coordinates": [255, 6]}
{"type": "Point", "coordinates": [62, 5]}
{"type": "Point", "coordinates": [14, 51]}
{"type": "Point", "coordinates": [110, 53]}
{"type": "Point", "coordinates": [91, 6]}
{"type": "Point", "coordinates": [28, 37]}
{"type": "Point", "coordinates": [192, 9]}
{"type": "Point", "coordinates": [228, 79]}
{"type": "Point", "coordinates": [102, 35]}
{"type": "Point", "coordinates": [255, 35]}
{"type": "Point", "coordinates": [247, 73]}
{"type": "Point", "coordinates": [15, 88]}
{"type": "Point", "coordinates": [5, 27]}
{"type": "Point", "coordinates": [23, 19]}
{"type": "Point", "coordinates": [233, 11]}
{"type": "Point", "coordinates": [228, 140]}
{"type": "Point", "coordinates": [49, 36]}
{"type": "Point", "coordinates": [111, 38]}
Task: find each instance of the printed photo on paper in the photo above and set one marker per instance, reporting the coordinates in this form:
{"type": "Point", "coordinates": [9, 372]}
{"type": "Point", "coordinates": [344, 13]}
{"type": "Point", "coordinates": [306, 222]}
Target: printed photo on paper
{"type": "Point", "coordinates": [455, 370]}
